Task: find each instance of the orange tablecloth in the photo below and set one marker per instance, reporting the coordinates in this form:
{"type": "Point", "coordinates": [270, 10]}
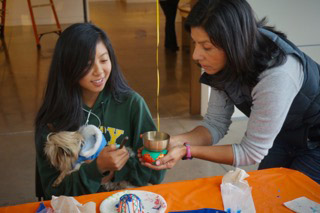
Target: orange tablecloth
{"type": "Point", "coordinates": [270, 189]}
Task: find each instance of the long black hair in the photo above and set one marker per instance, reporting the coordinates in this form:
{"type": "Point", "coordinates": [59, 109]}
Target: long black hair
{"type": "Point", "coordinates": [73, 57]}
{"type": "Point", "coordinates": [231, 25]}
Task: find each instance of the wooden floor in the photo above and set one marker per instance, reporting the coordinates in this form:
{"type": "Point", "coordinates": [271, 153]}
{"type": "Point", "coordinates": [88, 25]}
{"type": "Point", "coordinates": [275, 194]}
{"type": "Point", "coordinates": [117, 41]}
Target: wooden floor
{"type": "Point", "coordinates": [132, 30]}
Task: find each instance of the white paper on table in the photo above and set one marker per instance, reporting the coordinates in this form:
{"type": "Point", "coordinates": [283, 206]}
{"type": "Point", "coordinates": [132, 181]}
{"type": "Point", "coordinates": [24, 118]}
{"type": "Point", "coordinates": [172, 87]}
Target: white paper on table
{"type": "Point", "coordinates": [303, 205]}
{"type": "Point", "coordinates": [236, 192]}
{"type": "Point", "coordinates": [68, 204]}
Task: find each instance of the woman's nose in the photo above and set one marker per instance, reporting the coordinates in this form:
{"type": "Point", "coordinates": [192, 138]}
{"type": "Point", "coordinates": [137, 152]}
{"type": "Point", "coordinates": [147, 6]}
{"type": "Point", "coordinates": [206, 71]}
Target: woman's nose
{"type": "Point", "coordinates": [196, 54]}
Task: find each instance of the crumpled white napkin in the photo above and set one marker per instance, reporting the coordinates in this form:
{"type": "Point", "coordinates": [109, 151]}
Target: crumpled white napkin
{"type": "Point", "coordinates": [236, 192]}
{"type": "Point", "coordinates": [65, 204]}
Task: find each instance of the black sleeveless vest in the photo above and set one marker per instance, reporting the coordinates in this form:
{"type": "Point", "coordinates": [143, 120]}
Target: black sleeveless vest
{"type": "Point", "coordinates": [303, 120]}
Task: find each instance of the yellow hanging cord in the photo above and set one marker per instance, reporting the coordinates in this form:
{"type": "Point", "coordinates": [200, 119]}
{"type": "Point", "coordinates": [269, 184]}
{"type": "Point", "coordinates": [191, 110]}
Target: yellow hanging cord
{"type": "Point", "coordinates": [157, 59]}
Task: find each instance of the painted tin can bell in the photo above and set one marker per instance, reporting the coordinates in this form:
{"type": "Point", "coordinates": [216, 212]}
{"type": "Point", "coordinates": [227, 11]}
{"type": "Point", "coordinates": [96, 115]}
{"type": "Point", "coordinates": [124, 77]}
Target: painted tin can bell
{"type": "Point", "coordinates": [155, 146]}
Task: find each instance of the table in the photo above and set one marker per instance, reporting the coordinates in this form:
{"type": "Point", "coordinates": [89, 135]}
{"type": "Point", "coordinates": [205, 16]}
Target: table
{"type": "Point", "coordinates": [270, 189]}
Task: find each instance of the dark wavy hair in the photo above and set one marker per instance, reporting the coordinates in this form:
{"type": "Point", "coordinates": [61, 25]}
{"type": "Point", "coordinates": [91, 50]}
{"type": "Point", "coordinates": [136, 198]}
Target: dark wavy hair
{"type": "Point", "coordinates": [232, 26]}
{"type": "Point", "coordinates": [73, 57]}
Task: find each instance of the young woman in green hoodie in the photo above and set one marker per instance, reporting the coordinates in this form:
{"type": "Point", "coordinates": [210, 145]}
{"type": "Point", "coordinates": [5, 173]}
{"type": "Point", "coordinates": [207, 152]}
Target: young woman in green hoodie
{"type": "Point", "coordinates": [85, 86]}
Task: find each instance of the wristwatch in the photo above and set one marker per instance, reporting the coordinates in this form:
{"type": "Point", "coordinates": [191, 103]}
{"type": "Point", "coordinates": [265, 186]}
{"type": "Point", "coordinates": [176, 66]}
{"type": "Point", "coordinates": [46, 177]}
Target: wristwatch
{"type": "Point", "coordinates": [188, 155]}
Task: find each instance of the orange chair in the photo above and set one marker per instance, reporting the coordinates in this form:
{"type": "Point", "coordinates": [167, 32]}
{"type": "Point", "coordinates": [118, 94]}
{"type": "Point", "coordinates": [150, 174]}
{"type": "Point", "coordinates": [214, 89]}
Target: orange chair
{"type": "Point", "coordinates": [34, 25]}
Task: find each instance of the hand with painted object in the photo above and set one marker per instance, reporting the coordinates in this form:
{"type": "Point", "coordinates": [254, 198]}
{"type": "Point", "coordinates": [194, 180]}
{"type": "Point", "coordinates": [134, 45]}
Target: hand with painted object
{"type": "Point", "coordinates": [112, 159]}
{"type": "Point", "coordinates": [155, 146]}
{"type": "Point", "coordinates": [168, 161]}
{"type": "Point", "coordinates": [114, 156]}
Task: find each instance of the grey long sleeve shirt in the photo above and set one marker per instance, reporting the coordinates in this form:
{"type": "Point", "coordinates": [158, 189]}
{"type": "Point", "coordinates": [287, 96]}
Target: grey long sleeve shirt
{"type": "Point", "coordinates": [272, 98]}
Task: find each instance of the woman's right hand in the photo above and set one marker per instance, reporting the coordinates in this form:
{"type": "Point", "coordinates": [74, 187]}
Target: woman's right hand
{"type": "Point", "coordinates": [112, 159]}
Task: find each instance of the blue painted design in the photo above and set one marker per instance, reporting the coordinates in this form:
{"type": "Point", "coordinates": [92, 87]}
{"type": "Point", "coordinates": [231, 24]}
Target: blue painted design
{"type": "Point", "coordinates": [126, 200]}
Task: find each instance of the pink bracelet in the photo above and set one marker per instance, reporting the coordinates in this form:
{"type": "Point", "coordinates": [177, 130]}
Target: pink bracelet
{"type": "Point", "coordinates": [188, 155]}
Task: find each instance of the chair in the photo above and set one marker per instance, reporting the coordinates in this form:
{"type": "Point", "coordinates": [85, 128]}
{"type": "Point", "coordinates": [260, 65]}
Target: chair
{"type": "Point", "coordinates": [34, 25]}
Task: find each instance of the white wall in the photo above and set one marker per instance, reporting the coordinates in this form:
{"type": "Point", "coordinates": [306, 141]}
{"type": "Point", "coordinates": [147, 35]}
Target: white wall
{"type": "Point", "coordinates": [298, 19]}
{"type": "Point", "coordinates": [69, 11]}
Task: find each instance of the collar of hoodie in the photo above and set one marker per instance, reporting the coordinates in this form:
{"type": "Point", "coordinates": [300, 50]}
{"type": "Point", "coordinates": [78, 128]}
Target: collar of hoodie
{"type": "Point", "coordinates": [100, 102]}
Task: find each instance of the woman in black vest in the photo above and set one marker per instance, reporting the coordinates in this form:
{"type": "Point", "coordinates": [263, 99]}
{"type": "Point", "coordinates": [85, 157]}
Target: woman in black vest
{"type": "Point", "coordinates": [255, 68]}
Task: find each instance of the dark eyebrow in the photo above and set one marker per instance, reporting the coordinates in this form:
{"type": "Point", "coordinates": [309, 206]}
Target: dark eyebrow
{"type": "Point", "coordinates": [203, 42]}
{"type": "Point", "coordinates": [106, 53]}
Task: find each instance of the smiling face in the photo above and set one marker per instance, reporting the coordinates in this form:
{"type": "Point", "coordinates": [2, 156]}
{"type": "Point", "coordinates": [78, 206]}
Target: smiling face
{"type": "Point", "coordinates": [211, 58]}
{"type": "Point", "coordinates": [95, 80]}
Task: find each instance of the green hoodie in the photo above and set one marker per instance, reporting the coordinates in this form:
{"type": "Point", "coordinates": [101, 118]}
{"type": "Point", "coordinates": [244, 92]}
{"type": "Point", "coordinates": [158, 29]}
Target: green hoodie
{"type": "Point", "coordinates": [116, 120]}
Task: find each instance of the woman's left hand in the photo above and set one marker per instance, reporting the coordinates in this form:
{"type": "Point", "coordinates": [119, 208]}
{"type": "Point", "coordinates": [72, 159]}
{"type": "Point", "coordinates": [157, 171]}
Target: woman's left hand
{"type": "Point", "coordinates": [175, 154]}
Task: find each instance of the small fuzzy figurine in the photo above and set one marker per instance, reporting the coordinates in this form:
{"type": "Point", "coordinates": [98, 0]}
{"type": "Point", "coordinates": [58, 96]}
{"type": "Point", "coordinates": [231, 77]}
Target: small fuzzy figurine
{"type": "Point", "coordinates": [67, 150]}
